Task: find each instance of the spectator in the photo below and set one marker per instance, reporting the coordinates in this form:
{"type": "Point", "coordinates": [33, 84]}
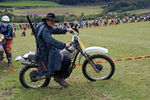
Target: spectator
{"type": "Point", "coordinates": [6, 29]}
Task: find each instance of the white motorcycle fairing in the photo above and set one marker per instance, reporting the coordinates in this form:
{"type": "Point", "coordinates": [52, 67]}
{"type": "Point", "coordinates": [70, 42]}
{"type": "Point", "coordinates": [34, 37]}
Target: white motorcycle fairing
{"type": "Point", "coordinates": [93, 49]}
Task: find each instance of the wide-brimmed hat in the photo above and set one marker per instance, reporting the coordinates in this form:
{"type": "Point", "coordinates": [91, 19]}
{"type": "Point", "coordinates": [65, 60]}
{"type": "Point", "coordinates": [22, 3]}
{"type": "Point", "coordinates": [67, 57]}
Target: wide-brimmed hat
{"type": "Point", "coordinates": [50, 16]}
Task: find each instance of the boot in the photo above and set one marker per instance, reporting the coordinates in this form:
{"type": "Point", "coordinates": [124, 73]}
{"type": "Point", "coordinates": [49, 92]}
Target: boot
{"type": "Point", "coordinates": [61, 81]}
{"type": "Point", "coordinates": [9, 62]}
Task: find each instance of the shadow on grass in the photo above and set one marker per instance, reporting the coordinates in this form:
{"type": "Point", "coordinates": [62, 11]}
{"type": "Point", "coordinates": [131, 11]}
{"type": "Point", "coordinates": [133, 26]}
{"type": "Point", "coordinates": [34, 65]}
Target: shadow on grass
{"type": "Point", "coordinates": [84, 89]}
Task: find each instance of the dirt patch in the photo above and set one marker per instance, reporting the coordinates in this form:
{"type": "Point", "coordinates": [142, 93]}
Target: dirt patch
{"type": "Point", "coordinates": [104, 97]}
{"type": "Point", "coordinates": [6, 93]}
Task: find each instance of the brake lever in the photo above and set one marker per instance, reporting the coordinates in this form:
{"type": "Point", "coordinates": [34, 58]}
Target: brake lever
{"type": "Point", "coordinates": [75, 29]}
{"type": "Point", "coordinates": [72, 32]}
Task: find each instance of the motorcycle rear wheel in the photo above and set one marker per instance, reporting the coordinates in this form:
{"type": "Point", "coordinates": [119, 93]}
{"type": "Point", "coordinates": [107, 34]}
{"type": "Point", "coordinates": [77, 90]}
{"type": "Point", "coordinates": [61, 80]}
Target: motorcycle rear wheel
{"type": "Point", "coordinates": [29, 78]}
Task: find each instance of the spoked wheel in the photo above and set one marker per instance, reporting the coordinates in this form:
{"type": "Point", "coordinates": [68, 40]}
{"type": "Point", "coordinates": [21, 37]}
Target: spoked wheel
{"type": "Point", "coordinates": [29, 78]}
{"type": "Point", "coordinates": [104, 65]}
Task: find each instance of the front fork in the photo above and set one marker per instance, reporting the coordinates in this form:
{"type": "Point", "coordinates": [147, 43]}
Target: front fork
{"type": "Point", "coordinates": [91, 62]}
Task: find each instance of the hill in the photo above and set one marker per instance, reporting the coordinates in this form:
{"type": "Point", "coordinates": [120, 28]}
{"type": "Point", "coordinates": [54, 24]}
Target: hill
{"type": "Point", "coordinates": [74, 2]}
{"type": "Point", "coordinates": [110, 5]}
{"type": "Point", "coordinates": [25, 3]}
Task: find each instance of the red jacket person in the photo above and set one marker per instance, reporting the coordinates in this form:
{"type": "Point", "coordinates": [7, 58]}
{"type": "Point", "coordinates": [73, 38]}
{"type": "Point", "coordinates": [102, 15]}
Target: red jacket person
{"type": "Point", "coordinates": [6, 29]}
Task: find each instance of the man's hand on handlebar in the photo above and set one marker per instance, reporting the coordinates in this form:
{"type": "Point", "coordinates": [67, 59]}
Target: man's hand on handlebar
{"type": "Point", "coordinates": [68, 45]}
{"type": "Point", "coordinates": [69, 30]}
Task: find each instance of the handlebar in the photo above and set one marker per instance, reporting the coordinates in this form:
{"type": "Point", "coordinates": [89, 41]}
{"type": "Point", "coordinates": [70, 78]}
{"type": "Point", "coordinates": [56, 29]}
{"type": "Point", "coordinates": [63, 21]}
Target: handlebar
{"type": "Point", "coordinates": [75, 31]}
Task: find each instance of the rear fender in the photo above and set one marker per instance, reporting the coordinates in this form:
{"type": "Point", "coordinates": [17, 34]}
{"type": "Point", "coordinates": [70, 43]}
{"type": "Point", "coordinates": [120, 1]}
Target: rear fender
{"type": "Point", "coordinates": [25, 56]}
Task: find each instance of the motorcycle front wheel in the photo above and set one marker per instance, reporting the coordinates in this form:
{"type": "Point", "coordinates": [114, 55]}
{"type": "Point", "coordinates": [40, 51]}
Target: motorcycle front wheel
{"type": "Point", "coordinates": [104, 64]}
{"type": "Point", "coordinates": [29, 78]}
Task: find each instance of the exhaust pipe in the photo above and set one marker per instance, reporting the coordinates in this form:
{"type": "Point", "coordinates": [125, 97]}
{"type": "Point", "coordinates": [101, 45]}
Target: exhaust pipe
{"type": "Point", "coordinates": [29, 63]}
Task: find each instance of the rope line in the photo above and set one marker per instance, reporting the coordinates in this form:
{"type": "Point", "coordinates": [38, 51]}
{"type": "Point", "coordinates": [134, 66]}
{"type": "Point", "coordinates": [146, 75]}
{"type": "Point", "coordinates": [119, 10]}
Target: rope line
{"type": "Point", "coordinates": [124, 59]}
{"type": "Point", "coordinates": [131, 58]}
{"type": "Point", "coordinates": [8, 70]}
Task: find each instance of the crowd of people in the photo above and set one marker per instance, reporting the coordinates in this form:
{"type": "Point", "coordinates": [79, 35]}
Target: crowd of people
{"type": "Point", "coordinates": [20, 27]}
{"type": "Point", "coordinates": [103, 21]}
{"type": "Point", "coordinates": [84, 23]}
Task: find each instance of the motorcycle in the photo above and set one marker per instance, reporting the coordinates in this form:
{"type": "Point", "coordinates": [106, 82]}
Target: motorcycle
{"type": "Point", "coordinates": [1, 48]}
{"type": "Point", "coordinates": [95, 66]}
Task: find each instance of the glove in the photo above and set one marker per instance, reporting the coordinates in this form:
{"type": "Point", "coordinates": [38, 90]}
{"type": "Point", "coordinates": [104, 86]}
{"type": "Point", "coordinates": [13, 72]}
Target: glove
{"type": "Point", "coordinates": [8, 38]}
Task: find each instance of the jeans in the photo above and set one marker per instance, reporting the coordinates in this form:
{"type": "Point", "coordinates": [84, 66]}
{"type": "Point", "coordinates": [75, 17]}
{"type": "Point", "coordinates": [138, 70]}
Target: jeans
{"type": "Point", "coordinates": [65, 64]}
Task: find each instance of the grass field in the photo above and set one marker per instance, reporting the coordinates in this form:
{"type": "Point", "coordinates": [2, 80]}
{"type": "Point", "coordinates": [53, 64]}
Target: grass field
{"type": "Point", "coordinates": [28, 3]}
{"type": "Point", "coordinates": [44, 7]}
{"type": "Point", "coordinates": [139, 12]}
{"type": "Point", "coordinates": [130, 81]}
{"type": "Point", "coordinates": [76, 10]}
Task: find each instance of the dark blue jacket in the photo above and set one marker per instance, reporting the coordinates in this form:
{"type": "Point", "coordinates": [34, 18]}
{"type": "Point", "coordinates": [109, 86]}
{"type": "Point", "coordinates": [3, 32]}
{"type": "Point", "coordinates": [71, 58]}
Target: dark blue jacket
{"type": "Point", "coordinates": [49, 48]}
{"type": "Point", "coordinates": [6, 31]}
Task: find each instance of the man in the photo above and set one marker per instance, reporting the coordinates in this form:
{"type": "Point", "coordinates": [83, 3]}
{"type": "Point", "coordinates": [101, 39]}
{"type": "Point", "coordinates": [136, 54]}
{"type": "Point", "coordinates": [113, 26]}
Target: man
{"type": "Point", "coordinates": [6, 29]}
{"type": "Point", "coordinates": [24, 30]}
{"type": "Point", "coordinates": [49, 49]}
{"type": "Point", "coordinates": [14, 30]}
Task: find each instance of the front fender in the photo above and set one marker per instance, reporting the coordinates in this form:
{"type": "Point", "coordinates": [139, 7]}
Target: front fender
{"type": "Point", "coordinates": [93, 49]}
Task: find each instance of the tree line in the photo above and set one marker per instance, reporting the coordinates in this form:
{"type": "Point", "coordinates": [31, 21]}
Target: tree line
{"type": "Point", "coordinates": [127, 6]}
{"type": "Point", "coordinates": [122, 3]}
{"type": "Point", "coordinates": [113, 5]}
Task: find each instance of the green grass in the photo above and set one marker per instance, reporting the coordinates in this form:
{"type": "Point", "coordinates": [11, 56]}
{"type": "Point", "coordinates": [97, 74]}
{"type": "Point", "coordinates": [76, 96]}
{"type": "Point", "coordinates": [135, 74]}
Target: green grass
{"type": "Point", "coordinates": [76, 10]}
{"type": "Point", "coordinates": [139, 12]}
{"type": "Point", "coordinates": [130, 81]}
{"type": "Point", "coordinates": [28, 3]}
